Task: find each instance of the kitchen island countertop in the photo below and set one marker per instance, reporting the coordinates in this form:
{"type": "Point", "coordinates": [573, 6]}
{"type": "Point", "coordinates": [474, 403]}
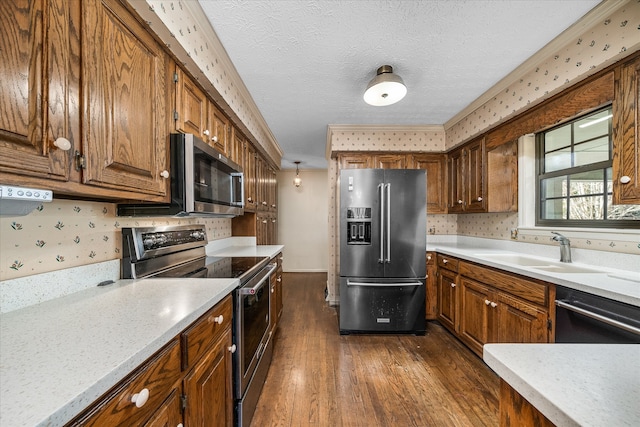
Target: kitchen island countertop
{"type": "Point", "coordinates": [573, 384]}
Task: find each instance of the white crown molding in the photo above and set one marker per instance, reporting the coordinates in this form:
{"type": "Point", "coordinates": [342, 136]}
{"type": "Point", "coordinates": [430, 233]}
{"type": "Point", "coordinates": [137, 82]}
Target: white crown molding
{"type": "Point", "coordinates": [595, 16]}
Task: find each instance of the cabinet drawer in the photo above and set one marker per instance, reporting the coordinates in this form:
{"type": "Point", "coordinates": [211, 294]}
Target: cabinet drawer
{"type": "Point", "coordinates": [205, 331]}
{"type": "Point", "coordinates": [158, 375]}
{"type": "Point", "coordinates": [525, 288]}
{"type": "Point", "coordinates": [447, 262]}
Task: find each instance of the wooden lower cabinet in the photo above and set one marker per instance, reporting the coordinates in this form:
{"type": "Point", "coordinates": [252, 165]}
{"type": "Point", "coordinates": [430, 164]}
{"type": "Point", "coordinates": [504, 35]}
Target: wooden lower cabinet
{"type": "Point", "coordinates": [209, 398]}
{"type": "Point", "coordinates": [483, 305]}
{"type": "Point", "coordinates": [188, 382]}
{"type": "Point", "coordinates": [516, 411]}
{"type": "Point", "coordinates": [431, 309]}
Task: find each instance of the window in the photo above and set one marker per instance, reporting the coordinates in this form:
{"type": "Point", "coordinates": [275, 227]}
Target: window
{"type": "Point", "coordinates": [574, 176]}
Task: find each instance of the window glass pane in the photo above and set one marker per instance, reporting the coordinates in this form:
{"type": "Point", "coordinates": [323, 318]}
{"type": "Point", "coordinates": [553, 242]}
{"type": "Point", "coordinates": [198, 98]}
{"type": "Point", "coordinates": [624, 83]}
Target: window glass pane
{"type": "Point", "coordinates": [557, 160]}
{"type": "Point", "coordinates": [592, 126]}
{"type": "Point", "coordinates": [591, 152]}
{"type": "Point", "coordinates": [585, 183]}
{"type": "Point", "coordinates": [554, 187]}
{"type": "Point", "coordinates": [590, 207]}
{"type": "Point", "coordinates": [609, 173]}
{"type": "Point", "coordinates": [554, 209]}
{"type": "Point", "coordinates": [557, 138]}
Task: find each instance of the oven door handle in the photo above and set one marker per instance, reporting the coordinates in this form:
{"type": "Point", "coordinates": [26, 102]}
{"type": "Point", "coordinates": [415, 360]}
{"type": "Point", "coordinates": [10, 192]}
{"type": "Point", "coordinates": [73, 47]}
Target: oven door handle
{"type": "Point", "coordinates": [596, 316]}
{"type": "Point", "coordinates": [265, 278]}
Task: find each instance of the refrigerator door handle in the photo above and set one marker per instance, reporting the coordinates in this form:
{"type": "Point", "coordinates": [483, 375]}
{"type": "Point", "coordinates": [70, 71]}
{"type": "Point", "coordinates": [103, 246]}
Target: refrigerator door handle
{"type": "Point", "coordinates": [378, 284]}
{"type": "Point", "coordinates": [382, 213]}
{"type": "Point", "coordinates": [388, 223]}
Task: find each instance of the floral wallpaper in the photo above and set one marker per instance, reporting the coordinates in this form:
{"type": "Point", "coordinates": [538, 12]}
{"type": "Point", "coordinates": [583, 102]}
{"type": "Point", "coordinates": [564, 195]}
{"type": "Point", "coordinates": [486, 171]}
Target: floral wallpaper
{"type": "Point", "coordinates": [67, 233]}
{"type": "Point", "coordinates": [387, 138]}
{"type": "Point", "coordinates": [610, 39]}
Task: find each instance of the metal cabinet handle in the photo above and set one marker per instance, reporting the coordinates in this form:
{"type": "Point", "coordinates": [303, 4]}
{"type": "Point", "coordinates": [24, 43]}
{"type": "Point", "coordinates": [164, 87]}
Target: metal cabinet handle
{"type": "Point", "coordinates": [604, 319]}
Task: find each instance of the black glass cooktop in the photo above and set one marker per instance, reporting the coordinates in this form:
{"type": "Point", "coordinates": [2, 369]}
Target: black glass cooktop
{"type": "Point", "coordinates": [233, 267]}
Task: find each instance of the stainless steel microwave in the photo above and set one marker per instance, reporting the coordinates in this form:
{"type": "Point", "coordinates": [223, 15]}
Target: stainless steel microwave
{"type": "Point", "coordinates": [203, 182]}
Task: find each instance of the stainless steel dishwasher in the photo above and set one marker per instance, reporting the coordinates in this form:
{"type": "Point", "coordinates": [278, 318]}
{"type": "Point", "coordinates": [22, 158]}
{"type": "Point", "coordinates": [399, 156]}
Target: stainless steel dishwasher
{"type": "Point", "coordinates": [586, 318]}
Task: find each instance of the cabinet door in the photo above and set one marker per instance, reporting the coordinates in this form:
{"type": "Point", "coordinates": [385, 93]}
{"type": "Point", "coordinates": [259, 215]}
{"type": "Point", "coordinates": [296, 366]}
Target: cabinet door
{"type": "Point", "coordinates": [39, 89]}
{"type": "Point", "coordinates": [191, 106]}
{"type": "Point", "coordinates": [626, 144]}
{"type": "Point", "coordinates": [236, 146]}
{"type": "Point", "coordinates": [207, 388]}
{"type": "Point", "coordinates": [355, 161]}
{"type": "Point", "coordinates": [475, 314]}
{"type": "Point", "coordinates": [455, 178]}
{"type": "Point", "coordinates": [249, 168]}
{"type": "Point", "coordinates": [435, 167]}
{"type": "Point", "coordinates": [125, 74]}
{"type": "Point", "coordinates": [519, 321]}
{"type": "Point", "coordinates": [431, 311]}
{"type": "Point", "coordinates": [474, 182]}
{"type": "Point", "coordinates": [447, 299]}
{"type": "Point", "coordinates": [218, 128]}
{"type": "Point", "coordinates": [169, 414]}
{"type": "Point", "coordinates": [279, 295]}
{"type": "Point", "coordinates": [390, 161]}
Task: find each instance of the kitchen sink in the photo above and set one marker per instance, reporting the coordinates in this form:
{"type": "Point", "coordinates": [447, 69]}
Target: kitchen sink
{"type": "Point", "coordinates": [538, 263]}
{"type": "Point", "coordinates": [565, 268]}
{"type": "Point", "coordinates": [516, 259]}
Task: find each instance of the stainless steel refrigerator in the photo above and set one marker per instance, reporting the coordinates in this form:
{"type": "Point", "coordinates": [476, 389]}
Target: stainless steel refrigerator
{"type": "Point", "coordinates": [382, 251]}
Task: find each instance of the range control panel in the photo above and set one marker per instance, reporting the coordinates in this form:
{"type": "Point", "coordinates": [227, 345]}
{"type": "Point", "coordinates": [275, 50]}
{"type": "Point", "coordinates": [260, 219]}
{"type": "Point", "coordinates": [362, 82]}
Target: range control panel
{"type": "Point", "coordinates": [8, 192]}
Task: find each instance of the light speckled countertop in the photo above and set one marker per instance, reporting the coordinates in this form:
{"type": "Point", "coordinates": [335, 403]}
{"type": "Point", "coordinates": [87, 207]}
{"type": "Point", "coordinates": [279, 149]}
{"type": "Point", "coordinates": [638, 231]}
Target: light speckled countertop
{"type": "Point", "coordinates": [616, 284]}
{"type": "Point", "coordinates": [573, 384]}
{"type": "Point", "coordinates": [59, 356]}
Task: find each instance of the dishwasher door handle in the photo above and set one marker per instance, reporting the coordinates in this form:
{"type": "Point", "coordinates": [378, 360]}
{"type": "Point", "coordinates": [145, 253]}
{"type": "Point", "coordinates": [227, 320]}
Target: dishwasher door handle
{"type": "Point", "coordinates": [596, 316]}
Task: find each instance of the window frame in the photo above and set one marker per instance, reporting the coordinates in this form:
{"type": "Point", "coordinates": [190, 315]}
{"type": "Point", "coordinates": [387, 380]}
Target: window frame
{"type": "Point", "coordinates": [598, 166]}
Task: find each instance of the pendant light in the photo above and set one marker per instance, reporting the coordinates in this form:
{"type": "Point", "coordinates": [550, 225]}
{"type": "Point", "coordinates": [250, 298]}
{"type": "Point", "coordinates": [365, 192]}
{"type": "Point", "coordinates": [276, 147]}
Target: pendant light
{"type": "Point", "coordinates": [297, 181]}
{"type": "Point", "coordinates": [385, 88]}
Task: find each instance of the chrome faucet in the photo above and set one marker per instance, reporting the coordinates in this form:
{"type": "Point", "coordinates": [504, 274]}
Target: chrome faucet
{"type": "Point", "coordinates": [565, 247]}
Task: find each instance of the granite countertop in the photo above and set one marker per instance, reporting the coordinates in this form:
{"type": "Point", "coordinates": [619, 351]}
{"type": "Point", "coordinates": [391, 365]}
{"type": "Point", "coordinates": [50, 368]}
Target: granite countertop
{"type": "Point", "coordinates": [616, 284]}
{"type": "Point", "coordinates": [59, 356]}
{"type": "Point", "coordinates": [573, 384]}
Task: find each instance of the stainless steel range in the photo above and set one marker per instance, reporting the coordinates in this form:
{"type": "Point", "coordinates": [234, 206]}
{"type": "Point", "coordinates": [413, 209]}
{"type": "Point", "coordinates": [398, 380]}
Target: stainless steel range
{"type": "Point", "coordinates": [179, 252]}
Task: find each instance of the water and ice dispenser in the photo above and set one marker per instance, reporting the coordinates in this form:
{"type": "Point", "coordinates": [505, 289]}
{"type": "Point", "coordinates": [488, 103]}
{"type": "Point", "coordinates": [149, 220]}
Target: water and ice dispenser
{"type": "Point", "coordinates": [359, 226]}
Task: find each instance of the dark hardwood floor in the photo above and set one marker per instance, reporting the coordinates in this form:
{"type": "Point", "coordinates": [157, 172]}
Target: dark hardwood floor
{"type": "Point", "coordinates": [320, 378]}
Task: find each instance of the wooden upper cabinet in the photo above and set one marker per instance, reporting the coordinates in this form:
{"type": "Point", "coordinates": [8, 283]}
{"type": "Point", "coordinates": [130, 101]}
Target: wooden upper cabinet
{"type": "Point", "coordinates": [39, 77]}
{"type": "Point", "coordinates": [125, 74]}
{"type": "Point", "coordinates": [249, 168]}
{"type": "Point", "coordinates": [474, 176]}
{"type": "Point", "coordinates": [191, 105]}
{"type": "Point", "coordinates": [91, 73]}
{"type": "Point", "coordinates": [236, 146]}
{"type": "Point", "coordinates": [435, 167]}
{"type": "Point", "coordinates": [390, 161]}
{"type": "Point", "coordinates": [626, 125]}
{"type": "Point", "coordinates": [218, 128]}
{"type": "Point", "coordinates": [456, 182]}
{"type": "Point", "coordinates": [355, 161]}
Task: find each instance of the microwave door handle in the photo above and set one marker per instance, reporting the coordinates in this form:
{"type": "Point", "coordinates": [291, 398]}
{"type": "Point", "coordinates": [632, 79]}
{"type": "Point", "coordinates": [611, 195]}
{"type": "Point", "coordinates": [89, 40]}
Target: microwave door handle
{"type": "Point", "coordinates": [381, 190]}
{"type": "Point", "coordinates": [237, 179]}
{"type": "Point", "coordinates": [388, 223]}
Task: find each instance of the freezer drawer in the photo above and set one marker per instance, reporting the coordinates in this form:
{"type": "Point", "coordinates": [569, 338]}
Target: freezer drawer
{"type": "Point", "coordinates": [382, 306]}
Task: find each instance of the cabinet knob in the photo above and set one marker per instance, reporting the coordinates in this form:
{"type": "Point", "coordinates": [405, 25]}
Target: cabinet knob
{"type": "Point", "coordinates": [453, 285]}
{"type": "Point", "coordinates": [214, 139]}
{"type": "Point", "coordinates": [140, 398]}
{"type": "Point", "coordinates": [625, 179]}
{"type": "Point", "coordinates": [479, 199]}
{"type": "Point", "coordinates": [206, 132]}
{"type": "Point", "coordinates": [444, 261]}
{"type": "Point", "coordinates": [279, 279]}
{"type": "Point", "coordinates": [249, 199]}
{"type": "Point", "coordinates": [264, 203]}
{"type": "Point", "coordinates": [273, 291]}
{"type": "Point", "coordinates": [428, 257]}
{"type": "Point", "coordinates": [218, 319]}
{"type": "Point", "coordinates": [459, 202]}
{"type": "Point", "coordinates": [62, 143]}
{"type": "Point", "coordinates": [164, 174]}
{"type": "Point", "coordinates": [487, 302]}
{"type": "Point", "coordinates": [180, 425]}
{"type": "Point", "coordinates": [494, 304]}
{"type": "Point", "coordinates": [264, 221]}
{"type": "Point", "coordinates": [232, 349]}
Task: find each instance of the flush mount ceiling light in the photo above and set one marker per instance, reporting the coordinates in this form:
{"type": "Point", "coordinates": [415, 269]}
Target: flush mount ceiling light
{"type": "Point", "coordinates": [297, 181]}
{"type": "Point", "coordinates": [385, 88]}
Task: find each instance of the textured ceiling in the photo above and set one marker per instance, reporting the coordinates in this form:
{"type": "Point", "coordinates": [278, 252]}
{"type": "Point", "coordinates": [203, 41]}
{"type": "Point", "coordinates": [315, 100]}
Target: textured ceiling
{"type": "Point", "coordinates": [307, 63]}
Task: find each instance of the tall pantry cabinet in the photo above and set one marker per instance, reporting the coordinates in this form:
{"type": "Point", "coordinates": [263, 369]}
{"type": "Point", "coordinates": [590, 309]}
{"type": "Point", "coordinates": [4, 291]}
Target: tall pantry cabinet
{"type": "Point", "coordinates": [82, 83]}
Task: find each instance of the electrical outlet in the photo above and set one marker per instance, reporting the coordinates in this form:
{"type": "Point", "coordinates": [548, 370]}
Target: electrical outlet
{"type": "Point", "coordinates": [432, 230]}
{"type": "Point", "coordinates": [514, 234]}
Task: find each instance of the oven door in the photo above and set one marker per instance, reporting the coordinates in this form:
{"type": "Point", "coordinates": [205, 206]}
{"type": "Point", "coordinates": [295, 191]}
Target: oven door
{"type": "Point", "coordinates": [252, 326]}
